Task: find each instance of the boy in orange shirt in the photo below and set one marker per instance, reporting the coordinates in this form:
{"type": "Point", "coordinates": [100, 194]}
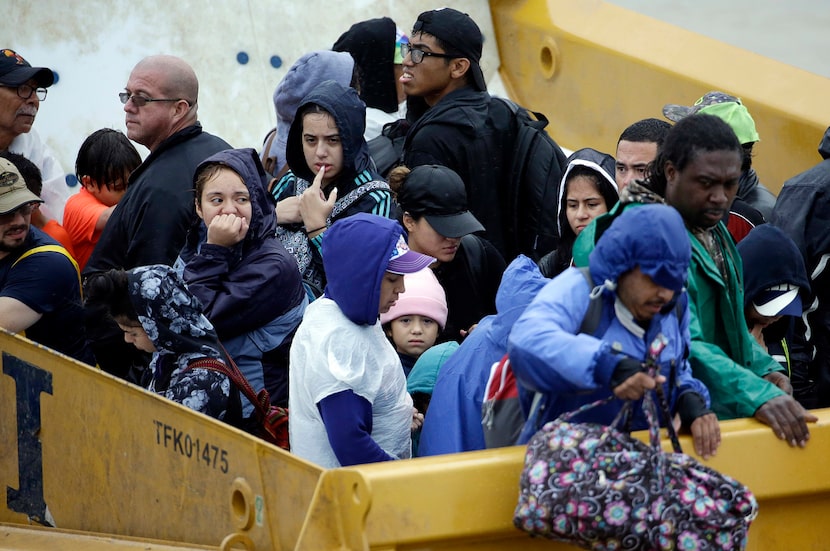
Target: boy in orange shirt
{"type": "Point", "coordinates": [105, 161]}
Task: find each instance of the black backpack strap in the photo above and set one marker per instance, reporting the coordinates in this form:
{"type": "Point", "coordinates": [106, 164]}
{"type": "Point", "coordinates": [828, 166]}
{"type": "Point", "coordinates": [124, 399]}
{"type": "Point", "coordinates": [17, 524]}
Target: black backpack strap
{"type": "Point", "coordinates": [386, 149]}
{"type": "Point", "coordinates": [591, 320]}
{"type": "Point", "coordinates": [385, 153]}
{"type": "Point", "coordinates": [475, 257]}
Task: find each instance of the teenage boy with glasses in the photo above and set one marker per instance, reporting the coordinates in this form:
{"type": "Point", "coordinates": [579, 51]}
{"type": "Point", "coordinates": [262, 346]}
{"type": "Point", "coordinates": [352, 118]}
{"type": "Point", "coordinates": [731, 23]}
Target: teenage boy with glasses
{"type": "Point", "coordinates": [461, 127]}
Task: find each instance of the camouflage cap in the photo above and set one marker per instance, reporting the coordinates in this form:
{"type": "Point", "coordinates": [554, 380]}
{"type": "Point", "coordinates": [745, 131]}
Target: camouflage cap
{"type": "Point", "coordinates": [722, 105]}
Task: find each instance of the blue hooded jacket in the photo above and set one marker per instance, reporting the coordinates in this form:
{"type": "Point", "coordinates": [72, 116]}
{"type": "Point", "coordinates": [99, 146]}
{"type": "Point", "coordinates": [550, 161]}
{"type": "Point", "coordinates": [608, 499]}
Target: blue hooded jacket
{"type": "Point", "coordinates": [245, 286]}
{"type": "Point", "coordinates": [453, 421]}
{"type": "Point", "coordinates": [251, 292]}
{"type": "Point", "coordinates": [550, 356]}
{"type": "Point", "coordinates": [354, 281]}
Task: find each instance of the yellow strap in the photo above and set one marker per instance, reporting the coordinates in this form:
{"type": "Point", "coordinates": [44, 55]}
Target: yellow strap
{"type": "Point", "coordinates": [54, 249]}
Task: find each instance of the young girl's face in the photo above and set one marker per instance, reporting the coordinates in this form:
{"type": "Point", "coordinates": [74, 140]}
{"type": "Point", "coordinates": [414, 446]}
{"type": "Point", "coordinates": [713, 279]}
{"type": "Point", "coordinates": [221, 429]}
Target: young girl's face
{"type": "Point", "coordinates": [135, 334]}
{"type": "Point", "coordinates": [583, 202]}
{"type": "Point", "coordinates": [412, 335]}
{"type": "Point", "coordinates": [224, 193]}
{"type": "Point", "coordinates": [322, 145]}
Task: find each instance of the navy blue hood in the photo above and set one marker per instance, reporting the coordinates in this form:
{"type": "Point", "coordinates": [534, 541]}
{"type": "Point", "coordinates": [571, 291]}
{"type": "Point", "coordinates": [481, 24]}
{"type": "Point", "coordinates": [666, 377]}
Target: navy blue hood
{"type": "Point", "coordinates": [246, 163]}
{"type": "Point", "coordinates": [349, 113]}
{"type": "Point", "coordinates": [652, 237]}
{"type": "Point", "coordinates": [771, 258]}
{"type": "Point", "coordinates": [356, 251]}
{"type": "Point", "coordinates": [824, 145]}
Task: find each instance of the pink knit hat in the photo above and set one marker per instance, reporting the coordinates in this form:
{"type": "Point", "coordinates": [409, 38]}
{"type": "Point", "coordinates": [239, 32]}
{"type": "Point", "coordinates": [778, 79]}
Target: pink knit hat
{"type": "Point", "coordinates": [424, 296]}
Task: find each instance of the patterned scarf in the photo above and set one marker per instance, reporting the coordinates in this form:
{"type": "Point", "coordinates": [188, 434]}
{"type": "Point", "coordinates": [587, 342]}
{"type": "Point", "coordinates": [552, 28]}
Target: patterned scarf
{"type": "Point", "coordinates": [173, 320]}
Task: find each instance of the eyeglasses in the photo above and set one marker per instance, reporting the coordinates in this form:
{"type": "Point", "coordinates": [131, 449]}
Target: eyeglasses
{"type": "Point", "coordinates": [24, 210]}
{"type": "Point", "coordinates": [141, 101]}
{"type": "Point", "coordinates": [25, 91]}
{"type": "Point", "coordinates": [418, 55]}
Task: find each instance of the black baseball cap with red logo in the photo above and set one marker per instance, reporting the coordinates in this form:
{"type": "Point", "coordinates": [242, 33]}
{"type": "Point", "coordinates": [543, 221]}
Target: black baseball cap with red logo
{"type": "Point", "coordinates": [14, 71]}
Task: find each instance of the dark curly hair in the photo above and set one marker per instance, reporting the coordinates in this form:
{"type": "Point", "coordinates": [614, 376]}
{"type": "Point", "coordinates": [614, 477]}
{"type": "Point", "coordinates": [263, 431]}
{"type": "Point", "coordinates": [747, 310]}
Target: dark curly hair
{"type": "Point", "coordinates": [688, 138]}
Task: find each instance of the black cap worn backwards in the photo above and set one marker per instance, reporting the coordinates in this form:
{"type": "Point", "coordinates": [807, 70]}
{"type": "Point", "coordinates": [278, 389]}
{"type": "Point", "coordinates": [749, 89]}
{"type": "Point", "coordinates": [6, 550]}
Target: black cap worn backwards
{"type": "Point", "coordinates": [460, 34]}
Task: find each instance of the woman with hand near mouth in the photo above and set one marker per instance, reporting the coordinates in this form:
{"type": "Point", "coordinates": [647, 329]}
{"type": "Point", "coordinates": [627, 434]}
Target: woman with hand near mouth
{"type": "Point", "coordinates": [331, 177]}
{"type": "Point", "coordinates": [588, 189]}
{"type": "Point", "coordinates": [245, 279]}
{"type": "Point", "coordinates": [433, 202]}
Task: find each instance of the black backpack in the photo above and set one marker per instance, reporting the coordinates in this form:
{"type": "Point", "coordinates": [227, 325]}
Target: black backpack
{"type": "Point", "coordinates": [536, 165]}
{"type": "Point", "coordinates": [386, 149]}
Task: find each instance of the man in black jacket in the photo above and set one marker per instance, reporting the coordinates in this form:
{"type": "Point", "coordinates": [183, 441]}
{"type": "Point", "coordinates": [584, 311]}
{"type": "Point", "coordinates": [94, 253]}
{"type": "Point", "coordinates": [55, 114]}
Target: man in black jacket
{"type": "Point", "coordinates": [802, 212]}
{"type": "Point", "coordinates": [151, 221]}
{"type": "Point", "coordinates": [459, 128]}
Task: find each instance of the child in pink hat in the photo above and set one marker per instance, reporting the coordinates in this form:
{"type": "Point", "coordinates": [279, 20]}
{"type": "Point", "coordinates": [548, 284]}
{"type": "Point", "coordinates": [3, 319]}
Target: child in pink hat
{"type": "Point", "coordinates": [419, 315]}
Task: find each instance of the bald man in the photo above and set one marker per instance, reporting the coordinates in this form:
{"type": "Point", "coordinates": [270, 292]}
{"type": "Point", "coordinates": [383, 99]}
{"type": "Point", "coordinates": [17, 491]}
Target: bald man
{"type": "Point", "coordinates": [152, 219]}
{"type": "Point", "coordinates": [149, 226]}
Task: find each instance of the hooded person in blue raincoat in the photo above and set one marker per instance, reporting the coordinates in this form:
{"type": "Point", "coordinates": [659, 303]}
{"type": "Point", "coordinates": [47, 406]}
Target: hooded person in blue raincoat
{"type": "Point", "coordinates": [347, 397]}
{"type": "Point", "coordinates": [453, 423]}
{"type": "Point", "coordinates": [639, 269]}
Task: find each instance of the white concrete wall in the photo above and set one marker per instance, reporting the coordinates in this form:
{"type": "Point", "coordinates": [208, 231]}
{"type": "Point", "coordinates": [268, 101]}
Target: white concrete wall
{"type": "Point", "coordinates": [93, 45]}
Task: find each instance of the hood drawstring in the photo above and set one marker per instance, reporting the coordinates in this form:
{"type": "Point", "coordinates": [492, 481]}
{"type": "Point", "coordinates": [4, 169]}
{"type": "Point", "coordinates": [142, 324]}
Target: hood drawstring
{"type": "Point", "coordinates": [607, 284]}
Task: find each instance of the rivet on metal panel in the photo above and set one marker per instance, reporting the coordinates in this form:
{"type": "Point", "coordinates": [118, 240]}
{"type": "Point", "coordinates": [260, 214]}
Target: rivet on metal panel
{"type": "Point", "coordinates": [549, 57]}
{"type": "Point", "coordinates": [242, 504]}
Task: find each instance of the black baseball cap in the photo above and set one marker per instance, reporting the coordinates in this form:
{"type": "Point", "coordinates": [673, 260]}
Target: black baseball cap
{"type": "Point", "coordinates": [459, 33]}
{"type": "Point", "coordinates": [437, 193]}
{"type": "Point", "coordinates": [14, 71]}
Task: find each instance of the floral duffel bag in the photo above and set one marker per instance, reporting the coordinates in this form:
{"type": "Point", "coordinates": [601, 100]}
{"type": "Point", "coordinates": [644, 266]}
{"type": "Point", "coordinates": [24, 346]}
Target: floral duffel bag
{"type": "Point", "coordinates": [596, 487]}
